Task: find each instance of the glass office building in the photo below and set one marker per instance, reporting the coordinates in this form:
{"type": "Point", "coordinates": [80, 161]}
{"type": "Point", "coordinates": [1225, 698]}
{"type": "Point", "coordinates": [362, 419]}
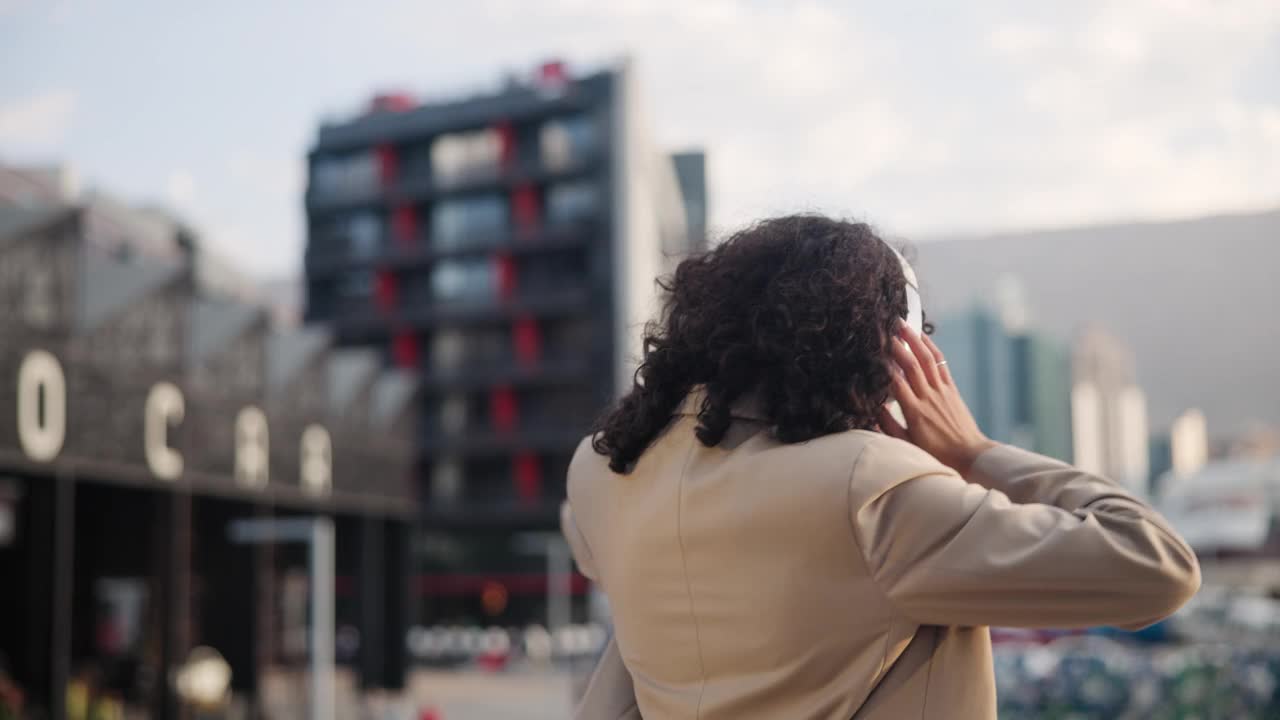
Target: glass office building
{"type": "Point", "coordinates": [1017, 382]}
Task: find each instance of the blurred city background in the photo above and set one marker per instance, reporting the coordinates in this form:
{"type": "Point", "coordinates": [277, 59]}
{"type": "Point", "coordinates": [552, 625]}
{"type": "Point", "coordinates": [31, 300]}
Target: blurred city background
{"type": "Point", "coordinates": [304, 308]}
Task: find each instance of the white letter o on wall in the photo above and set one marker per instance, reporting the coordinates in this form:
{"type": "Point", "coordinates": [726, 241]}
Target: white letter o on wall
{"type": "Point", "coordinates": [41, 434]}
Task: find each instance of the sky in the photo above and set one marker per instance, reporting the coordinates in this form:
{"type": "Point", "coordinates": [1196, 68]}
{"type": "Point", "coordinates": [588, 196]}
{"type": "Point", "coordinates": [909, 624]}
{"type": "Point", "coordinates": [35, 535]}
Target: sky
{"type": "Point", "coordinates": [926, 118]}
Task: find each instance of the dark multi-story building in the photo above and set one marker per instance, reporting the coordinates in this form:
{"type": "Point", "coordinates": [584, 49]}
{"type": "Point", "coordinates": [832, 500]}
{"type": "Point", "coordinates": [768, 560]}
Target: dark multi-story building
{"type": "Point", "coordinates": [504, 248]}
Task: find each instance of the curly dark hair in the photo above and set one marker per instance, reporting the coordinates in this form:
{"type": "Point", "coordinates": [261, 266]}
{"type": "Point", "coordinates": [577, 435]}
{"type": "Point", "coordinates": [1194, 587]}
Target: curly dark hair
{"type": "Point", "coordinates": [797, 309]}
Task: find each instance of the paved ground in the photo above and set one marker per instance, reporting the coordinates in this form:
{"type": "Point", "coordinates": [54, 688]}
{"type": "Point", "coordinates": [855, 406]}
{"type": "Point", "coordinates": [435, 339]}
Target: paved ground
{"type": "Point", "coordinates": [526, 693]}
{"type": "Point", "coordinates": [469, 695]}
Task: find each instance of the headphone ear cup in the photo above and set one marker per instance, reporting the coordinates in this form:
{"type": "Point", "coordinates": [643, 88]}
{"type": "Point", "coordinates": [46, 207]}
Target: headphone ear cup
{"type": "Point", "coordinates": [915, 309]}
{"type": "Point", "coordinates": [907, 271]}
{"type": "Point", "coordinates": [895, 410]}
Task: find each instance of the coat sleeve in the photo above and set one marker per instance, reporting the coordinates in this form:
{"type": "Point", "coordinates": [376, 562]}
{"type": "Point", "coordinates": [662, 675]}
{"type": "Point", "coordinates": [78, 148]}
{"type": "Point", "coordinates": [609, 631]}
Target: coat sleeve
{"type": "Point", "coordinates": [577, 543]}
{"type": "Point", "coordinates": [1026, 542]}
{"type": "Point", "coordinates": [610, 694]}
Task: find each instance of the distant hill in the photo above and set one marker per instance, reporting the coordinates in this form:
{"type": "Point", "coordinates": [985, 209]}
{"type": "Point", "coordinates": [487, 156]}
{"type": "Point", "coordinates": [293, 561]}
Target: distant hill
{"type": "Point", "coordinates": [1197, 300]}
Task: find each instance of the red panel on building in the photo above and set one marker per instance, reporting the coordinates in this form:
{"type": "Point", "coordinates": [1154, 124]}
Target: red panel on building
{"type": "Point", "coordinates": [391, 102]}
{"type": "Point", "coordinates": [404, 224]}
{"type": "Point", "coordinates": [385, 290]}
{"type": "Point", "coordinates": [503, 409]}
{"type": "Point", "coordinates": [527, 470]}
{"type": "Point", "coordinates": [526, 211]}
{"type": "Point", "coordinates": [404, 349]}
{"type": "Point", "coordinates": [526, 336]}
{"type": "Point", "coordinates": [507, 144]}
{"type": "Point", "coordinates": [553, 76]}
{"type": "Point", "coordinates": [505, 270]}
{"type": "Point", "coordinates": [388, 165]}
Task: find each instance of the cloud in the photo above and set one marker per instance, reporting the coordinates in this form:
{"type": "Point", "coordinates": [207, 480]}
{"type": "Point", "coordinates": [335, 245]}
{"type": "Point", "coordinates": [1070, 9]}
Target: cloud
{"type": "Point", "coordinates": [1136, 111]}
{"type": "Point", "coordinates": [1117, 44]}
{"type": "Point", "coordinates": [1010, 120]}
{"type": "Point", "coordinates": [1018, 39]}
{"type": "Point", "coordinates": [36, 123]}
{"type": "Point", "coordinates": [973, 117]}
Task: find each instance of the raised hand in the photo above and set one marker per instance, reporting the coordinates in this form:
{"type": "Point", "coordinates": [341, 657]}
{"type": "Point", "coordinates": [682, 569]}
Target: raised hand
{"type": "Point", "coordinates": [938, 420]}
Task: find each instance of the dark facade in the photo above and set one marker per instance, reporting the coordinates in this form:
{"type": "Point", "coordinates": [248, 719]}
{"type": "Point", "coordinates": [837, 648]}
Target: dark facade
{"type": "Point", "coordinates": [691, 172]}
{"type": "Point", "coordinates": [140, 417]}
{"type": "Point", "coordinates": [1160, 462]}
{"type": "Point", "coordinates": [502, 249]}
{"type": "Point", "coordinates": [1017, 382]}
{"type": "Point", "coordinates": [981, 359]}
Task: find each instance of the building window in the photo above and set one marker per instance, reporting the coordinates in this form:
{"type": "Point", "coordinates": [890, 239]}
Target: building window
{"type": "Point", "coordinates": [364, 235]}
{"type": "Point", "coordinates": [351, 174]}
{"type": "Point", "coordinates": [557, 408]}
{"type": "Point", "coordinates": [572, 202]}
{"type": "Point", "coordinates": [462, 221]}
{"type": "Point", "coordinates": [488, 482]}
{"type": "Point", "coordinates": [453, 414]}
{"type": "Point", "coordinates": [448, 349]}
{"type": "Point", "coordinates": [356, 285]}
{"type": "Point", "coordinates": [552, 272]}
{"type": "Point", "coordinates": [446, 481]}
{"type": "Point", "coordinates": [565, 142]}
{"type": "Point", "coordinates": [573, 337]}
{"type": "Point", "coordinates": [471, 350]}
{"type": "Point", "coordinates": [458, 157]}
{"type": "Point", "coordinates": [470, 279]}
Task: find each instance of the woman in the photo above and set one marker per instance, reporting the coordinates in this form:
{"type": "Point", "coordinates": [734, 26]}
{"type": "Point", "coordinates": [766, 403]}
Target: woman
{"type": "Point", "coordinates": [774, 544]}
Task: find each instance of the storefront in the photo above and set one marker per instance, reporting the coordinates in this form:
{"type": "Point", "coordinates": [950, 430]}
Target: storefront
{"type": "Point", "coordinates": [141, 423]}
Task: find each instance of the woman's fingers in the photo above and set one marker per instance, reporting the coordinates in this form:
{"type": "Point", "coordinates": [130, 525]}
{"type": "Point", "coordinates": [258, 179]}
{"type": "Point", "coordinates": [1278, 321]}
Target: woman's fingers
{"type": "Point", "coordinates": [910, 366]}
{"type": "Point", "coordinates": [900, 389]}
{"type": "Point", "coordinates": [923, 353]}
{"type": "Point", "coordinates": [940, 360]}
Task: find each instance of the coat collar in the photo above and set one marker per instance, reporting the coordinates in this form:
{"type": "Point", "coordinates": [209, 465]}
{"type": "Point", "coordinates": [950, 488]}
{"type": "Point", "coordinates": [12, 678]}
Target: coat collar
{"type": "Point", "coordinates": [746, 407]}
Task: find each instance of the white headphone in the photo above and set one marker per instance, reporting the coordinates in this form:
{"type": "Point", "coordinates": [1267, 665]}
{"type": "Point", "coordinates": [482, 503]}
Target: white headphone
{"type": "Point", "coordinates": [915, 309]}
{"type": "Point", "coordinates": [915, 318]}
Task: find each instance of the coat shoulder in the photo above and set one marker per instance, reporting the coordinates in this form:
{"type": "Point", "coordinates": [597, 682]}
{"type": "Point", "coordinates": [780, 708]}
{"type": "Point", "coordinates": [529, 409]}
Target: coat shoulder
{"type": "Point", "coordinates": [885, 462]}
{"type": "Point", "coordinates": [585, 466]}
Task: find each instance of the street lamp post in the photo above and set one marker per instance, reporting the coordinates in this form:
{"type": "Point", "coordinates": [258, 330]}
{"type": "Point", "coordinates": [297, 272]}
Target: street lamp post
{"type": "Point", "coordinates": [318, 533]}
{"type": "Point", "coordinates": [559, 574]}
